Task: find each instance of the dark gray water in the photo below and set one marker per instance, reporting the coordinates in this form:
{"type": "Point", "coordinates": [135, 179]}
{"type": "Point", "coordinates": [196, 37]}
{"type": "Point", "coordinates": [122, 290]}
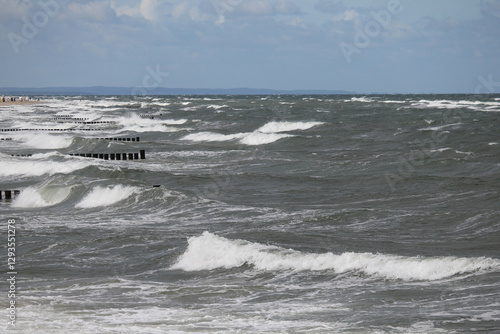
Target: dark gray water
{"type": "Point", "coordinates": [278, 214]}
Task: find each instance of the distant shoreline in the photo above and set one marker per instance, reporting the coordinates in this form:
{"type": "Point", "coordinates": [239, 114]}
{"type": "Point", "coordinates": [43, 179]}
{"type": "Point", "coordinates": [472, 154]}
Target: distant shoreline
{"type": "Point", "coordinates": [142, 91]}
{"type": "Point", "coordinates": [18, 103]}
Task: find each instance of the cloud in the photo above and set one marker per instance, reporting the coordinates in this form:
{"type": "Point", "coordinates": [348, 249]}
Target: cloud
{"type": "Point", "coordinates": [256, 7]}
{"type": "Point", "coordinates": [14, 9]}
{"type": "Point", "coordinates": [490, 8]}
{"type": "Point", "coordinates": [93, 11]}
{"type": "Point", "coordinates": [124, 10]}
{"type": "Point", "coordinates": [329, 6]}
{"type": "Point", "coordinates": [348, 15]}
{"type": "Point", "coordinates": [187, 10]}
{"type": "Point", "coordinates": [148, 9]}
{"type": "Point", "coordinates": [287, 7]}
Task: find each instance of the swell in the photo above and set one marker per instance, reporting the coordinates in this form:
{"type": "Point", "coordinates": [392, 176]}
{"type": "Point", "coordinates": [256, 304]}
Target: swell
{"type": "Point", "coordinates": [209, 252]}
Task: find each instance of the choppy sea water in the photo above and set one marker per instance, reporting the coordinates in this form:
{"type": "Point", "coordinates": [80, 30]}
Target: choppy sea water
{"type": "Point", "coordinates": [254, 214]}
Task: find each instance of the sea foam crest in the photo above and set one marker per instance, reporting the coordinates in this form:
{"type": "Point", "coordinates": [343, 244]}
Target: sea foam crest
{"type": "Point", "coordinates": [38, 167]}
{"type": "Point", "coordinates": [212, 136]}
{"type": "Point", "coordinates": [273, 127]}
{"type": "Point", "coordinates": [46, 141]}
{"type": "Point", "coordinates": [43, 197]}
{"type": "Point", "coordinates": [106, 196]}
{"type": "Point", "coordinates": [266, 134]}
{"type": "Point", "coordinates": [209, 251]}
{"type": "Point", "coordinates": [134, 122]}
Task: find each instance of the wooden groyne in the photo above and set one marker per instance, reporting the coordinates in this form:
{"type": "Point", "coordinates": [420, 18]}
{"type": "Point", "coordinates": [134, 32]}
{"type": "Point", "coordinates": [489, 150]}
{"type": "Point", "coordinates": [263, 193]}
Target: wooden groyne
{"type": "Point", "coordinates": [136, 139]}
{"type": "Point", "coordinates": [48, 130]}
{"type": "Point", "coordinates": [9, 194]}
{"type": "Point", "coordinates": [69, 119]}
{"type": "Point", "coordinates": [112, 156]}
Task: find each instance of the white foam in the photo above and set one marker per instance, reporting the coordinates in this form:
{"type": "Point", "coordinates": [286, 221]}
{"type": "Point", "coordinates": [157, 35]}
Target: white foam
{"type": "Point", "coordinates": [440, 127]}
{"type": "Point", "coordinates": [393, 101]}
{"type": "Point", "coordinates": [451, 104]}
{"type": "Point", "coordinates": [216, 106]}
{"type": "Point", "coordinates": [34, 167]}
{"type": "Point", "coordinates": [212, 136]}
{"type": "Point", "coordinates": [208, 252]}
{"type": "Point", "coordinates": [106, 196]}
{"type": "Point", "coordinates": [260, 138]}
{"type": "Point", "coordinates": [39, 198]}
{"type": "Point", "coordinates": [46, 141]}
{"type": "Point", "coordinates": [273, 127]}
{"type": "Point", "coordinates": [360, 99]}
{"type": "Point", "coordinates": [134, 122]}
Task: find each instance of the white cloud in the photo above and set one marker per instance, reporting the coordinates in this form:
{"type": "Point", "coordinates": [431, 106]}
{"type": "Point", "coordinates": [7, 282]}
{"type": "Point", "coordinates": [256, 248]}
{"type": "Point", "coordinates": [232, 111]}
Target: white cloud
{"type": "Point", "coordinates": [296, 22]}
{"type": "Point", "coordinates": [348, 16]}
{"type": "Point", "coordinates": [92, 11]}
{"type": "Point", "coordinates": [148, 9]}
{"type": "Point", "coordinates": [257, 7]}
{"type": "Point", "coordinates": [14, 9]}
{"type": "Point", "coordinates": [287, 7]}
{"type": "Point", "coordinates": [121, 10]}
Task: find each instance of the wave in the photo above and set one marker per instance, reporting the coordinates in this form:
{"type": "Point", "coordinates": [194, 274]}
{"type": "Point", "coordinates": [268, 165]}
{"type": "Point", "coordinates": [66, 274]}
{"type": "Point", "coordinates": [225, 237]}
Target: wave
{"type": "Point", "coordinates": [260, 138]}
{"type": "Point", "coordinates": [209, 251]}
{"type": "Point", "coordinates": [273, 127]}
{"type": "Point", "coordinates": [136, 123]}
{"type": "Point", "coordinates": [266, 134]}
{"type": "Point", "coordinates": [440, 127]}
{"type": "Point", "coordinates": [44, 197]}
{"type": "Point", "coordinates": [46, 141]}
{"type": "Point", "coordinates": [360, 99]}
{"type": "Point", "coordinates": [212, 136]}
{"type": "Point", "coordinates": [451, 104]}
{"type": "Point", "coordinates": [106, 196]}
{"type": "Point", "coordinates": [35, 167]}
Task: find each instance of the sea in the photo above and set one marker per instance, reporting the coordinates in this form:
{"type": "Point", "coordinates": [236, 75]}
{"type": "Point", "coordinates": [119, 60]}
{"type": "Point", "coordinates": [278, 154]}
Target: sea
{"type": "Point", "coordinates": [251, 214]}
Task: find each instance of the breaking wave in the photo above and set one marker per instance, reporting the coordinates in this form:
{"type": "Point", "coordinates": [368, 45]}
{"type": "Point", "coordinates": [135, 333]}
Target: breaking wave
{"type": "Point", "coordinates": [266, 134]}
{"type": "Point", "coordinates": [44, 197]}
{"type": "Point", "coordinates": [106, 196]}
{"type": "Point", "coordinates": [209, 251]}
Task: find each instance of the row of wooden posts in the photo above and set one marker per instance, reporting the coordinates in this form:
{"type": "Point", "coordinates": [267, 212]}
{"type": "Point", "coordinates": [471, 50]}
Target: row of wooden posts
{"type": "Point", "coordinates": [9, 194]}
{"type": "Point", "coordinates": [60, 130]}
{"type": "Point", "coordinates": [69, 118]}
{"type": "Point", "coordinates": [113, 156]}
{"type": "Point", "coordinates": [136, 139]}
{"type": "Point", "coordinates": [106, 156]}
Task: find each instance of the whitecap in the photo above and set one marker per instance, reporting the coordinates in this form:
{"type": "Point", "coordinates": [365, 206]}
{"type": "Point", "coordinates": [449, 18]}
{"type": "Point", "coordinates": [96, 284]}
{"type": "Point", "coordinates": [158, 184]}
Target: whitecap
{"type": "Point", "coordinates": [209, 251]}
{"type": "Point", "coordinates": [212, 136]}
{"type": "Point", "coordinates": [106, 196]}
{"type": "Point", "coordinates": [274, 126]}
{"type": "Point", "coordinates": [39, 198]}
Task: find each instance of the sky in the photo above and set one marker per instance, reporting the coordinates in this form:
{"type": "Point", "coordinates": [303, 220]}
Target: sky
{"type": "Point", "coordinates": [364, 46]}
